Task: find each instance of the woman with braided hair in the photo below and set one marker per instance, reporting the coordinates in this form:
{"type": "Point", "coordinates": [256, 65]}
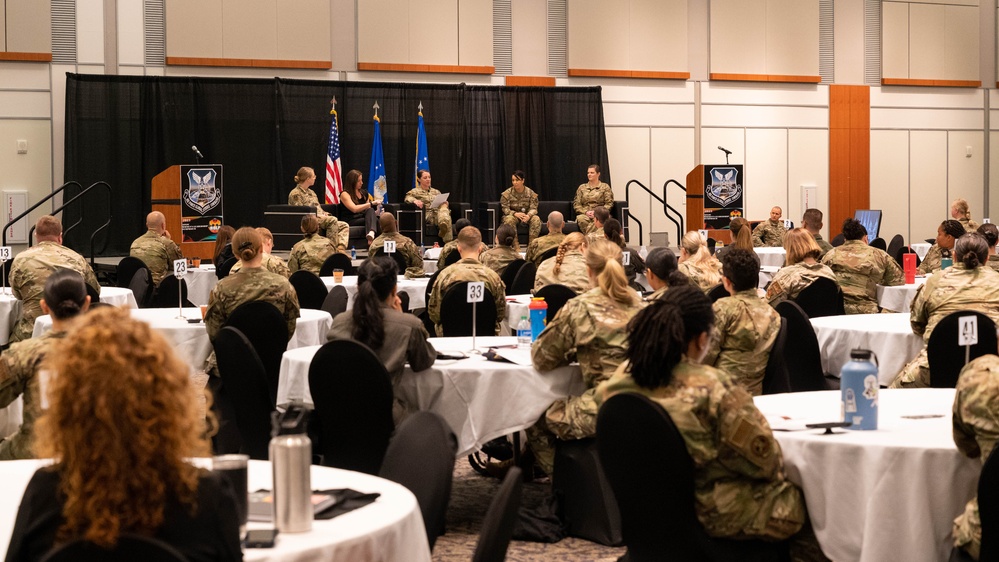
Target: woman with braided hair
{"type": "Point", "coordinates": [697, 263]}
{"type": "Point", "coordinates": [567, 267]}
{"type": "Point", "coordinates": [506, 250]}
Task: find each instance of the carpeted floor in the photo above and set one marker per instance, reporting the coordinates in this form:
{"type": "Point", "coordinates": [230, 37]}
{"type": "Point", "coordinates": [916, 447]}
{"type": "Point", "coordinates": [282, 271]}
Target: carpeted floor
{"type": "Point", "coordinates": [470, 497]}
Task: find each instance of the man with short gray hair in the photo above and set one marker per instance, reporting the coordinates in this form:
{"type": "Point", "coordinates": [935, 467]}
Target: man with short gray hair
{"type": "Point", "coordinates": [155, 248]}
{"type": "Point", "coordinates": [542, 244]}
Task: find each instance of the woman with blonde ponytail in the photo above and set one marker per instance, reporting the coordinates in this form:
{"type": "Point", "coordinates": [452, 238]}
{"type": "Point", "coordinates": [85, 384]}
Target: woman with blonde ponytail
{"type": "Point", "coordinates": [593, 325]}
{"type": "Point", "coordinates": [697, 263]}
{"type": "Point", "coordinates": [567, 267]}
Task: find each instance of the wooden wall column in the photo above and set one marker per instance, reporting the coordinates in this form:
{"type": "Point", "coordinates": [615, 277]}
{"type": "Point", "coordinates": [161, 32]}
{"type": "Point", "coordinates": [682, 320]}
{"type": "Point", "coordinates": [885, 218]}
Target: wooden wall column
{"type": "Point", "coordinates": [849, 154]}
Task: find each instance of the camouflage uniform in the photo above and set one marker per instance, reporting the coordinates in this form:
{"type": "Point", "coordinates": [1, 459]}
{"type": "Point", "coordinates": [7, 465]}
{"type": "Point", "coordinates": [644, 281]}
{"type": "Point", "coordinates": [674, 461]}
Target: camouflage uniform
{"type": "Point", "coordinates": [976, 429]}
{"type": "Point", "coordinates": [589, 198]}
{"type": "Point", "coordinates": [310, 253]}
{"type": "Point", "coordinates": [699, 274]}
{"type": "Point", "coordinates": [467, 269]}
{"type": "Point", "coordinates": [446, 250]}
{"type": "Point", "coordinates": [18, 366]}
{"type": "Point", "coordinates": [498, 258]}
{"type": "Point", "coordinates": [740, 488]}
{"type": "Point", "coordinates": [657, 294]}
{"type": "Point", "coordinates": [525, 202]}
{"type": "Point", "coordinates": [251, 284]}
{"type": "Point", "coordinates": [440, 216]}
{"type": "Point", "coordinates": [572, 273]}
{"type": "Point", "coordinates": [336, 230]}
{"type": "Point", "coordinates": [932, 261]}
{"type": "Point", "coordinates": [157, 252]}
{"type": "Point", "coordinates": [745, 330]}
{"type": "Point", "coordinates": [28, 273]}
{"type": "Point", "coordinates": [859, 270]}
{"type": "Point", "coordinates": [404, 246]}
{"type": "Point", "coordinates": [791, 280]}
{"type": "Point", "coordinates": [271, 263]}
{"type": "Point", "coordinates": [597, 234]}
{"type": "Point", "coordinates": [823, 245]}
{"type": "Point", "coordinates": [969, 225]}
{"type": "Point", "coordinates": [542, 244]}
{"type": "Point", "coordinates": [591, 329]}
{"type": "Point", "coordinates": [956, 288]}
{"type": "Point", "coordinates": [993, 262]}
{"type": "Point", "coordinates": [769, 234]}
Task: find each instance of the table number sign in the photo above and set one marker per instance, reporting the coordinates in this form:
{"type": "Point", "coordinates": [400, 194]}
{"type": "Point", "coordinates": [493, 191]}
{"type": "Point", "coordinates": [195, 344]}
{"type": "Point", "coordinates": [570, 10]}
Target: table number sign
{"type": "Point", "coordinates": [389, 246]}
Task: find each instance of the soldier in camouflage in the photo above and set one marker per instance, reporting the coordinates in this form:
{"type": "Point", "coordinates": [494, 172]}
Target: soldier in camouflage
{"type": "Point", "coordinates": [812, 222]}
{"type": "Point", "coordinates": [567, 267]}
{"type": "Point", "coordinates": [32, 267]}
{"type": "Point", "coordinates": [520, 206]}
{"type": "Point", "coordinates": [303, 196]}
{"type": "Point", "coordinates": [590, 195]}
{"type": "Point", "coordinates": [451, 246]}
{"type": "Point", "coordinates": [271, 262]}
{"type": "Point", "coordinates": [469, 268]}
{"type": "Point", "coordinates": [770, 233]}
{"type": "Point", "coordinates": [504, 253]}
{"type": "Point", "coordinates": [403, 246]}
{"type": "Point", "coordinates": [860, 268]}
{"type": "Point", "coordinates": [422, 196]}
{"type": "Point", "coordinates": [703, 269]}
{"type": "Point", "coordinates": [801, 270]}
{"type": "Point", "coordinates": [542, 244]}
{"type": "Point", "coordinates": [976, 427]}
{"type": "Point", "coordinates": [310, 252]}
{"type": "Point", "coordinates": [741, 490]}
{"type": "Point", "coordinates": [947, 233]}
{"type": "Point", "coordinates": [968, 285]}
{"type": "Point", "coordinates": [155, 248]}
{"type": "Point", "coordinates": [591, 329]}
{"type": "Point", "coordinates": [600, 216]}
{"type": "Point", "coordinates": [662, 272]}
{"type": "Point", "coordinates": [991, 234]}
{"type": "Point", "coordinates": [960, 211]}
{"type": "Point", "coordinates": [746, 327]}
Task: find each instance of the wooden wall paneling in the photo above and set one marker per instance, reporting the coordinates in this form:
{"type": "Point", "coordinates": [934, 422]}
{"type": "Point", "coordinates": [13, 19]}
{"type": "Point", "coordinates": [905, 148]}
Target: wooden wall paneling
{"type": "Point", "coordinates": [849, 152]}
{"type": "Point", "coordinates": [530, 81]}
{"type": "Point", "coordinates": [26, 57]}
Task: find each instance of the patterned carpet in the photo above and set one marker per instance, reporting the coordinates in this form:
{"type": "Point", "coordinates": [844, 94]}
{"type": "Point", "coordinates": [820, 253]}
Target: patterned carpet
{"type": "Point", "coordinates": [470, 497]}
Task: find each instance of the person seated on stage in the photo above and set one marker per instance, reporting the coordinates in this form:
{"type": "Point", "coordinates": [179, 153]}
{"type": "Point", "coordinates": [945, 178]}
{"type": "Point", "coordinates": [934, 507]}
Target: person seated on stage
{"type": "Point", "coordinates": [975, 429]}
{"type": "Point", "coordinates": [770, 233]}
{"type": "Point", "coordinates": [312, 250]}
{"type": "Point", "coordinates": [746, 327]}
{"type": "Point", "coordinates": [155, 248]}
{"type": "Point", "coordinates": [377, 321]}
{"type": "Point", "coordinates": [20, 363]}
{"type": "Point", "coordinates": [703, 269]}
{"type": "Point", "coordinates": [966, 286]}
{"type": "Point", "coordinates": [123, 422]}
{"type": "Point", "coordinates": [960, 211]}
{"type": "Point", "coordinates": [593, 325]}
{"type": "Point", "coordinates": [741, 489]}
{"type": "Point", "coordinates": [947, 233]}
{"type": "Point", "coordinates": [742, 237]}
{"type": "Point", "coordinates": [801, 267]}
{"type": "Point", "coordinates": [589, 196]}
{"type": "Point", "coordinates": [32, 267]}
{"type": "Point", "coordinates": [468, 268]}
{"type": "Point", "coordinates": [271, 262]}
{"type": "Point", "coordinates": [361, 205]}
{"type": "Point", "coordinates": [600, 216]}
{"type": "Point", "coordinates": [423, 196]}
{"type": "Point", "coordinates": [520, 206]}
{"type": "Point", "coordinates": [860, 268]}
{"type": "Point", "coordinates": [223, 246]}
{"type": "Point", "coordinates": [991, 234]}
{"type": "Point", "coordinates": [812, 222]}
{"type": "Point", "coordinates": [542, 244]}
{"type": "Point", "coordinates": [452, 246]}
{"type": "Point", "coordinates": [504, 252]}
{"type": "Point", "coordinates": [403, 246]}
{"type": "Point", "coordinates": [303, 196]}
{"type": "Point", "coordinates": [612, 232]}
{"type": "Point", "coordinates": [662, 272]}
{"type": "Point", "coordinates": [567, 267]}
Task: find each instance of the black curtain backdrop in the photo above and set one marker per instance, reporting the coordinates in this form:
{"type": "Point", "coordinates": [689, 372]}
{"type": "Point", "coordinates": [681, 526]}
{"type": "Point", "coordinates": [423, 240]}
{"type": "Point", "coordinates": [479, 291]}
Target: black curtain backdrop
{"type": "Point", "coordinates": [125, 130]}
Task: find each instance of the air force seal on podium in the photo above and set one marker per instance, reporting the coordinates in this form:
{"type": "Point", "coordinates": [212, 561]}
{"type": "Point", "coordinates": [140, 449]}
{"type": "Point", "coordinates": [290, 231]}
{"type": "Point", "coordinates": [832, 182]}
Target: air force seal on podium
{"type": "Point", "coordinates": [202, 194]}
{"type": "Point", "coordinates": [725, 187]}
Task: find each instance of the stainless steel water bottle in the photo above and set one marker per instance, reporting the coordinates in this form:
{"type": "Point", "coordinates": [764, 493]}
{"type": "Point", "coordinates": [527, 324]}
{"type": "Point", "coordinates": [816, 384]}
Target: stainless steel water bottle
{"type": "Point", "coordinates": [291, 460]}
{"type": "Point", "coordinates": [859, 386]}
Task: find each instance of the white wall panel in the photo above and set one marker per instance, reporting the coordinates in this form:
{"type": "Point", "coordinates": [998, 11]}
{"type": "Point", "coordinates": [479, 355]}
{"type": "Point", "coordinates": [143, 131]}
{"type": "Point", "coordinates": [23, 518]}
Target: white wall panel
{"type": "Point", "coordinates": [927, 59]}
{"type": "Point", "coordinates": [249, 30]}
{"type": "Point", "coordinates": [657, 35]}
{"type": "Point", "coordinates": [890, 181]}
{"type": "Point", "coordinates": [194, 28]}
{"type": "Point", "coordinates": [31, 171]}
{"type": "Point", "coordinates": [3, 30]}
{"type": "Point", "coordinates": [766, 171]}
{"type": "Point", "coordinates": [26, 76]}
{"type": "Point", "coordinates": [642, 90]}
{"type": "Point", "coordinates": [131, 40]}
{"type": "Point", "coordinates": [59, 121]}
{"type": "Point", "coordinates": [792, 37]}
{"type": "Point", "coordinates": [530, 38]}
{"type": "Point", "coordinates": [733, 139]}
{"type": "Point", "coordinates": [763, 116]}
{"type": "Point", "coordinates": [949, 2]}
{"type": "Point", "coordinates": [894, 39]}
{"type": "Point", "coordinates": [28, 26]}
{"type": "Point", "coordinates": [24, 104]}
{"type": "Point", "coordinates": [475, 32]}
{"type": "Point", "coordinates": [433, 32]}
{"type": "Point", "coordinates": [738, 36]}
{"type": "Point", "coordinates": [994, 176]}
{"type": "Point", "coordinates": [764, 94]}
{"type": "Point", "coordinates": [131, 70]}
{"type": "Point", "coordinates": [807, 164]}
{"type": "Point", "coordinates": [889, 118]}
{"type": "Point", "coordinates": [303, 30]}
{"type": "Point", "coordinates": [90, 31]}
{"type": "Point", "coordinates": [628, 152]}
{"type": "Point", "coordinates": [848, 39]}
{"type": "Point", "coordinates": [672, 158]}
{"type": "Point", "coordinates": [597, 34]}
{"type": "Point", "coordinates": [381, 38]}
{"type": "Point", "coordinates": [943, 98]}
{"type": "Point", "coordinates": [649, 115]}
{"type": "Point", "coordinates": [965, 175]}
{"type": "Point", "coordinates": [961, 48]}
{"type": "Point", "coordinates": [928, 204]}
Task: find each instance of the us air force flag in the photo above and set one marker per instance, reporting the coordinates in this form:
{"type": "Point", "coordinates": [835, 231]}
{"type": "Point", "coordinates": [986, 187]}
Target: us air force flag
{"type": "Point", "coordinates": [376, 173]}
{"type": "Point", "coordinates": [422, 160]}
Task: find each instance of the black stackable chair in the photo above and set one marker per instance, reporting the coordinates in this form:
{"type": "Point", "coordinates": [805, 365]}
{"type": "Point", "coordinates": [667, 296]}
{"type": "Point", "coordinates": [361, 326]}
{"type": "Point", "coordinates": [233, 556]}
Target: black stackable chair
{"type": "Point", "coordinates": [523, 281]}
{"type": "Point", "coordinates": [905, 250]}
{"type": "Point", "coordinates": [456, 313]}
{"type": "Point", "coordinates": [946, 357]}
{"type": "Point", "coordinates": [776, 379]}
{"type": "Point", "coordinates": [497, 527]}
{"type": "Point", "coordinates": [896, 242]}
{"type": "Point", "coordinates": [452, 258]}
{"type": "Point", "coordinates": [880, 244]}
{"type": "Point", "coordinates": [801, 351]}
{"type": "Point", "coordinates": [141, 285]}
{"type": "Point", "coordinates": [165, 295]}
{"type": "Point", "coordinates": [549, 253]}
{"type": "Point", "coordinates": [510, 273]}
{"type": "Point", "coordinates": [126, 270]}
{"type": "Point", "coordinates": [226, 267]}
{"type": "Point", "coordinates": [265, 327]}
{"type": "Point", "coordinates": [718, 292]}
{"type": "Point", "coordinates": [310, 288]}
{"type": "Point", "coordinates": [837, 241]}
{"type": "Point", "coordinates": [244, 387]}
{"type": "Point", "coordinates": [555, 296]}
{"type": "Point", "coordinates": [823, 297]}
{"type": "Point", "coordinates": [336, 300]}
{"type": "Point", "coordinates": [337, 261]}
{"type": "Point", "coordinates": [128, 548]}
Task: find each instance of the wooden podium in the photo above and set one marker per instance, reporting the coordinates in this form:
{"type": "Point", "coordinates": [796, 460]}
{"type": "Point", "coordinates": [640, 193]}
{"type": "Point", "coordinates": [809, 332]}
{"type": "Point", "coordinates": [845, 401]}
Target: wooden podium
{"type": "Point", "coordinates": [166, 193]}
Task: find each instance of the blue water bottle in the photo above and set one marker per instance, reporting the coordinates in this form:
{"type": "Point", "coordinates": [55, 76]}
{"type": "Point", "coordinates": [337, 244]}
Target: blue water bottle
{"type": "Point", "coordinates": [539, 316]}
{"type": "Point", "coordinates": [859, 388]}
{"type": "Point", "coordinates": [945, 259]}
{"type": "Point", "coordinates": [353, 253]}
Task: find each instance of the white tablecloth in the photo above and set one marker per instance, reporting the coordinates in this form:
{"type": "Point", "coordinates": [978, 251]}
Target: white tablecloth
{"type": "Point", "coordinates": [480, 399]}
{"type": "Point", "coordinates": [889, 336]}
{"type": "Point", "coordinates": [10, 311]}
{"type": "Point", "coordinates": [873, 496]}
{"type": "Point", "coordinates": [773, 257]}
{"type": "Point", "coordinates": [390, 529]}
{"type": "Point", "coordinates": [200, 282]}
{"type": "Point", "coordinates": [899, 298]}
{"type": "Point", "coordinates": [117, 296]}
{"type": "Point", "coordinates": [190, 341]}
{"type": "Point", "coordinates": [921, 249]}
{"type": "Point", "coordinates": [415, 288]}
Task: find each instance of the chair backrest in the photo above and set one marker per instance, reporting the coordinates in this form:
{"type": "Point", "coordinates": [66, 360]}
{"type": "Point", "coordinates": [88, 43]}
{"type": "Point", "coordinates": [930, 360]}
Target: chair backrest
{"type": "Point", "coordinates": [549, 253]}
{"type": "Point", "coordinates": [510, 273]}
{"type": "Point", "coordinates": [988, 508]}
{"type": "Point", "coordinates": [775, 379]}
{"type": "Point", "coordinates": [497, 527]}
{"type": "Point", "coordinates": [404, 300]}
{"type": "Point", "coordinates": [226, 267]}
{"type": "Point", "coordinates": [523, 282]}
{"type": "Point", "coordinates": [337, 261]}
{"type": "Point", "coordinates": [142, 287]}
{"type": "Point", "coordinates": [126, 270]}
{"type": "Point", "coordinates": [801, 351]}
{"type": "Point", "coordinates": [128, 548]}
{"type": "Point", "coordinates": [95, 297]}
{"type": "Point", "coordinates": [880, 244]}
{"type": "Point", "coordinates": [555, 297]}
{"type": "Point", "coordinates": [901, 252]}
{"type": "Point", "coordinates": [310, 288]}
{"type": "Point", "coordinates": [823, 297]}
{"type": "Point", "coordinates": [946, 357]}
{"type": "Point", "coordinates": [896, 242]}
{"type": "Point", "coordinates": [165, 295]}
{"type": "Point", "coordinates": [430, 286]}
{"type": "Point", "coordinates": [352, 393]}
{"type": "Point", "coordinates": [453, 257]}
{"type": "Point", "coordinates": [456, 313]}
{"type": "Point", "coordinates": [837, 240]}
{"type": "Point", "coordinates": [264, 325]}
{"type": "Point", "coordinates": [718, 292]}
{"type": "Point", "coordinates": [336, 301]}
{"type": "Point", "coordinates": [420, 456]}
{"type": "Point", "coordinates": [244, 386]}
{"type": "Point", "coordinates": [400, 260]}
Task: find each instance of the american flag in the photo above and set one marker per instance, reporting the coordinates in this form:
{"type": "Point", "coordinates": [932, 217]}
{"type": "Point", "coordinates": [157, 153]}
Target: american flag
{"type": "Point", "coordinates": [334, 179]}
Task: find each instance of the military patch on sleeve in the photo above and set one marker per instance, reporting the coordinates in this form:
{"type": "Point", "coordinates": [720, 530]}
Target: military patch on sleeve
{"type": "Point", "coordinates": [760, 447]}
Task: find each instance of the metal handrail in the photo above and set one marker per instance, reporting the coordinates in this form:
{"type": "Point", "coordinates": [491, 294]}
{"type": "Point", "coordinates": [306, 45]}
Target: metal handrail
{"type": "Point", "coordinates": [84, 191]}
{"type": "Point", "coordinates": [3, 238]}
{"type": "Point", "coordinates": [667, 208]}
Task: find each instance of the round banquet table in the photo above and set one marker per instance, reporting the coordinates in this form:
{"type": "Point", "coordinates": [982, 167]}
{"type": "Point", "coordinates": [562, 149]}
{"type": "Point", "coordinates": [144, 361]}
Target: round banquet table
{"type": "Point", "coordinates": [415, 288]}
{"type": "Point", "coordinates": [889, 336]}
{"type": "Point", "coordinates": [889, 494]}
{"type": "Point", "coordinates": [118, 296]}
{"type": "Point", "coordinates": [200, 282]}
{"type": "Point", "coordinates": [899, 298]}
{"type": "Point", "coordinates": [773, 257]}
{"type": "Point", "coordinates": [480, 399]}
{"type": "Point", "coordinates": [390, 529]}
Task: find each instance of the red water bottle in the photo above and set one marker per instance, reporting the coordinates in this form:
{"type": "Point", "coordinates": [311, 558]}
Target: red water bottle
{"type": "Point", "coordinates": [909, 266]}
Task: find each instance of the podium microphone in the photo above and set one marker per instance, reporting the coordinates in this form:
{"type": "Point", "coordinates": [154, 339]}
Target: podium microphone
{"type": "Point", "coordinates": [726, 151]}
{"type": "Point", "coordinates": [198, 152]}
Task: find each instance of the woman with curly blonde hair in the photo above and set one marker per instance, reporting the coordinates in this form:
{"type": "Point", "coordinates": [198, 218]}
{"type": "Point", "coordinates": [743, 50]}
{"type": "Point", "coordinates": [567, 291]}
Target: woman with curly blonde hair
{"type": "Point", "coordinates": [742, 237]}
{"type": "Point", "coordinates": [801, 270]}
{"type": "Point", "coordinates": [697, 263]}
{"type": "Point", "coordinates": [121, 422]}
{"type": "Point", "coordinates": [567, 267]}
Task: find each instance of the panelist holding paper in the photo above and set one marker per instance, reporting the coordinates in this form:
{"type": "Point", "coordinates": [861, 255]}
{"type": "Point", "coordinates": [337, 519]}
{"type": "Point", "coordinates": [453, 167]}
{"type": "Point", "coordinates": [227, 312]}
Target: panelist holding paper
{"type": "Point", "coordinates": [423, 197]}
